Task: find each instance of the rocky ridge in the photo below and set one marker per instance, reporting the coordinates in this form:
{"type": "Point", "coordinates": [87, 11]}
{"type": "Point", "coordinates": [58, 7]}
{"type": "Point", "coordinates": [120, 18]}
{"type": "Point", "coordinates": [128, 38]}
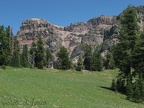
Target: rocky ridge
{"type": "Point", "coordinates": [91, 32]}
{"type": "Point", "coordinates": [100, 30]}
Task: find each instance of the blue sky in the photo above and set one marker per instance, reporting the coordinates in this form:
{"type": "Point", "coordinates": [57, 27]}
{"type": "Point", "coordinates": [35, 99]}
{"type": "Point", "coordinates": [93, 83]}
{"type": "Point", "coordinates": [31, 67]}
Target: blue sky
{"type": "Point", "coordinates": [59, 12]}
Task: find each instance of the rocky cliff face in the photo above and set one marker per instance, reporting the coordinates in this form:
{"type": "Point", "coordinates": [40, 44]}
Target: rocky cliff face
{"type": "Point", "coordinates": [94, 32]}
{"type": "Point", "coordinates": [90, 32]}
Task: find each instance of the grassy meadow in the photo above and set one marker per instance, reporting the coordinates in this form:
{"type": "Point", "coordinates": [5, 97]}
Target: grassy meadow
{"type": "Point", "coordinates": [34, 88]}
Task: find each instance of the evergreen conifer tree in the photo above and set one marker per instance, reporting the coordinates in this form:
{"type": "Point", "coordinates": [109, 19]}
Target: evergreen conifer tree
{"type": "Point", "coordinates": [24, 57]}
{"type": "Point", "coordinates": [138, 55]}
{"type": "Point", "coordinates": [40, 54]}
{"type": "Point", "coordinates": [15, 60]}
{"type": "Point", "coordinates": [129, 88]}
{"type": "Point", "coordinates": [87, 57]}
{"type": "Point", "coordinates": [113, 86]}
{"type": "Point", "coordinates": [48, 57]}
{"type": "Point", "coordinates": [5, 45]}
{"type": "Point", "coordinates": [63, 61]}
{"type": "Point", "coordinates": [127, 40]}
{"type": "Point", "coordinates": [141, 87]}
{"type": "Point", "coordinates": [109, 61]}
{"type": "Point", "coordinates": [137, 92]}
{"type": "Point", "coordinates": [79, 64]}
{"type": "Point", "coordinates": [32, 54]}
{"type": "Point", "coordinates": [97, 62]}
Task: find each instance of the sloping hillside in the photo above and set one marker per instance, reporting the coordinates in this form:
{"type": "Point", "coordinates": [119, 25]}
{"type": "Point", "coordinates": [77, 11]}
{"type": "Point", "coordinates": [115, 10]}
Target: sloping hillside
{"type": "Point", "coordinates": [33, 88]}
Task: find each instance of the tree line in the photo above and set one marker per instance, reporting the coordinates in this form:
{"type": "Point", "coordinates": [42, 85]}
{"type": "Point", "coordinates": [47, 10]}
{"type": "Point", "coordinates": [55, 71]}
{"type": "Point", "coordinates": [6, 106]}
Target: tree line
{"type": "Point", "coordinates": [10, 54]}
{"type": "Point", "coordinates": [40, 57]}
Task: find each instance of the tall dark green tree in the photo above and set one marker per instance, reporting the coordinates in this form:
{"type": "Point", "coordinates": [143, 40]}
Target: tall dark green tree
{"type": "Point", "coordinates": [138, 56]}
{"type": "Point", "coordinates": [141, 86]}
{"type": "Point", "coordinates": [138, 66]}
{"type": "Point", "coordinates": [40, 54]}
{"type": "Point", "coordinates": [109, 61]}
{"type": "Point", "coordinates": [5, 45]}
{"type": "Point", "coordinates": [48, 57]}
{"type": "Point", "coordinates": [63, 61]}
{"type": "Point", "coordinates": [15, 60]}
{"type": "Point", "coordinates": [129, 88]}
{"type": "Point", "coordinates": [79, 64]}
{"type": "Point", "coordinates": [97, 62]}
{"type": "Point", "coordinates": [2, 52]}
{"type": "Point", "coordinates": [137, 92]}
{"type": "Point", "coordinates": [113, 85]}
{"type": "Point", "coordinates": [8, 44]}
{"type": "Point", "coordinates": [32, 54]}
{"type": "Point", "coordinates": [127, 40]}
{"type": "Point", "coordinates": [24, 57]}
{"type": "Point", "coordinates": [87, 57]}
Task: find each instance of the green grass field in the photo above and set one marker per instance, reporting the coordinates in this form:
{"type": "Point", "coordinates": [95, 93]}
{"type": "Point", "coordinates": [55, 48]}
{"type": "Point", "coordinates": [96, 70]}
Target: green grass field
{"type": "Point", "coordinates": [33, 88]}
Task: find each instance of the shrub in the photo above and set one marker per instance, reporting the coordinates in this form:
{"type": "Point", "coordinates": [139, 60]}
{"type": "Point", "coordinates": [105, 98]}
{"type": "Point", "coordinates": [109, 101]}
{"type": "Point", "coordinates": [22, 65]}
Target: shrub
{"type": "Point", "coordinates": [3, 67]}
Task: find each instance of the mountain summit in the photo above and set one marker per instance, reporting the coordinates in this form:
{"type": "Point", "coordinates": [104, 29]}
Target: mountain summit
{"type": "Point", "coordinates": [93, 32]}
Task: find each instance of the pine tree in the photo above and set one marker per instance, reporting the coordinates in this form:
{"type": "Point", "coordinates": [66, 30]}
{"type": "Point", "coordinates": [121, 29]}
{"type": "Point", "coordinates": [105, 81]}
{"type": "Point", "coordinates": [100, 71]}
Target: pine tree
{"type": "Point", "coordinates": [137, 92]}
{"type": "Point", "coordinates": [97, 62]}
{"type": "Point", "coordinates": [2, 52]}
{"type": "Point", "coordinates": [48, 57]}
{"type": "Point", "coordinates": [138, 65]}
{"type": "Point", "coordinates": [24, 57]}
{"type": "Point", "coordinates": [7, 46]}
{"type": "Point", "coordinates": [15, 60]}
{"type": "Point", "coordinates": [120, 83]}
{"type": "Point", "coordinates": [40, 54]}
{"type": "Point", "coordinates": [127, 40]}
{"type": "Point", "coordinates": [129, 88]}
{"type": "Point", "coordinates": [109, 61]}
{"type": "Point", "coordinates": [87, 57]}
{"type": "Point", "coordinates": [141, 87]}
{"type": "Point", "coordinates": [5, 42]}
{"type": "Point", "coordinates": [63, 61]}
{"type": "Point", "coordinates": [32, 54]}
{"type": "Point", "coordinates": [138, 55]}
{"type": "Point", "coordinates": [79, 64]}
{"type": "Point", "coordinates": [113, 86]}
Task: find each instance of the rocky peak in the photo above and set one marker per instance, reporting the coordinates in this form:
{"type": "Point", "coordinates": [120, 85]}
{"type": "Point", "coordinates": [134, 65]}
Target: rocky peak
{"type": "Point", "coordinates": [94, 32]}
{"type": "Point", "coordinates": [32, 28]}
{"type": "Point", "coordinates": [102, 20]}
{"type": "Point", "coordinates": [90, 32]}
{"type": "Point", "coordinates": [79, 27]}
{"type": "Point", "coordinates": [36, 27]}
{"type": "Point", "coordinates": [34, 23]}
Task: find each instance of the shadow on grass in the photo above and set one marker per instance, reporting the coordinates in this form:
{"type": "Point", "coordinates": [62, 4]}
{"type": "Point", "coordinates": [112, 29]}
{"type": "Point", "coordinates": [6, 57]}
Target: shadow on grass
{"type": "Point", "coordinates": [110, 89]}
{"type": "Point", "coordinates": [122, 93]}
{"type": "Point", "coordinates": [107, 88]}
